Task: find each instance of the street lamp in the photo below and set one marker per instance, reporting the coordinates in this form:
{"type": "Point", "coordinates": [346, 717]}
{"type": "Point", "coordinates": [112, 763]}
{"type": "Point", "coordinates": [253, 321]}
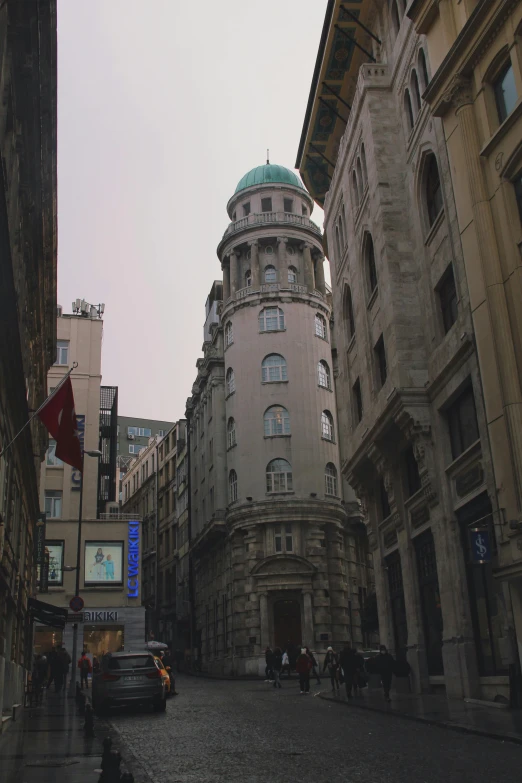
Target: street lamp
{"type": "Point", "coordinates": [72, 687]}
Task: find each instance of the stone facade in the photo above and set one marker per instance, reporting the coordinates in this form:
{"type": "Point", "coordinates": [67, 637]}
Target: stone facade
{"type": "Point", "coordinates": [277, 553]}
{"type": "Point", "coordinates": [28, 253]}
{"type": "Point", "coordinates": [413, 433]}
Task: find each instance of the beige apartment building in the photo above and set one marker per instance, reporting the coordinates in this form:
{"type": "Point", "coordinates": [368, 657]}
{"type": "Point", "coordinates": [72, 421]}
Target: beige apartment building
{"type": "Point", "coordinates": [412, 403]}
{"type": "Point", "coordinates": [475, 51]}
{"type": "Point", "coordinates": [278, 557]}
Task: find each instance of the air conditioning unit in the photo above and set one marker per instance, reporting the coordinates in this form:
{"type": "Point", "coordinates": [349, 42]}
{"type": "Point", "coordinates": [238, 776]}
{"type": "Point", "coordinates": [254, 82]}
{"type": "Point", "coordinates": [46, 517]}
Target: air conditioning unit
{"type": "Point", "coordinates": [131, 437]}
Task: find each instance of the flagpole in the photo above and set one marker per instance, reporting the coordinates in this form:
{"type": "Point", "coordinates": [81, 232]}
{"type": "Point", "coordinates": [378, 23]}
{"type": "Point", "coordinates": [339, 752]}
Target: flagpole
{"type": "Point", "coordinates": [54, 391]}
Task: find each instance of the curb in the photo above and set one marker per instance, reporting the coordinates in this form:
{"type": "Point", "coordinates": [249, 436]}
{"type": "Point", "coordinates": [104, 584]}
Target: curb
{"type": "Point", "coordinates": [443, 724]}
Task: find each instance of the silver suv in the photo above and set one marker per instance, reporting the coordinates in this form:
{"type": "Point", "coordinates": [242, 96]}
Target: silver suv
{"type": "Point", "coordinates": [128, 677]}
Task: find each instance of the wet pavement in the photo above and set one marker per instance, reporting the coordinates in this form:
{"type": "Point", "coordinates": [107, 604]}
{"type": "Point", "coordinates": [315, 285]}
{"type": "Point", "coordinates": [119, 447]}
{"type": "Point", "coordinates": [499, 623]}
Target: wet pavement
{"type": "Point", "coordinates": [251, 733]}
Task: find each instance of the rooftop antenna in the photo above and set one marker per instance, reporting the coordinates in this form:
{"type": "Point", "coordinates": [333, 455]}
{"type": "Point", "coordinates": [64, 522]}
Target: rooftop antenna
{"type": "Point", "coordinates": [267, 157]}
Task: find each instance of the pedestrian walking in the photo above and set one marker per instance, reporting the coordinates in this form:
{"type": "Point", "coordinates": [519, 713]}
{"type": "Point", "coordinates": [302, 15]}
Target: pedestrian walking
{"type": "Point", "coordinates": [269, 667]}
{"type": "Point", "coordinates": [54, 666]}
{"type": "Point", "coordinates": [303, 667]}
{"type": "Point", "coordinates": [315, 665]}
{"type": "Point", "coordinates": [383, 665]}
{"type": "Point", "coordinates": [277, 666]}
{"type": "Point", "coordinates": [352, 667]}
{"type": "Point", "coordinates": [64, 661]}
{"type": "Point", "coordinates": [331, 662]}
{"type": "Point", "coordinates": [286, 664]}
{"type": "Point", "coordinates": [85, 668]}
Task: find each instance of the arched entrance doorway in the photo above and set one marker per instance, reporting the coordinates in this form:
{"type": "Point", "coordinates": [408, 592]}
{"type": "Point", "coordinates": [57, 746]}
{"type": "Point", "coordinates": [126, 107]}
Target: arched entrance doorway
{"type": "Point", "coordinates": [287, 623]}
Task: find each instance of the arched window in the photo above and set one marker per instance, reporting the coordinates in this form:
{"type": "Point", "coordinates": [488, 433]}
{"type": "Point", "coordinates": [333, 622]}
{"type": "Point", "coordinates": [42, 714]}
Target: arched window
{"type": "Point", "coordinates": [270, 274]}
{"type": "Point", "coordinates": [341, 226]}
{"type": "Point", "coordinates": [355, 186]}
{"type": "Point", "coordinates": [231, 381]}
{"type": "Point", "coordinates": [279, 476]}
{"type": "Point", "coordinates": [365, 170]}
{"type": "Point", "coordinates": [276, 421]}
{"type": "Point", "coordinates": [292, 274]}
{"type": "Point", "coordinates": [323, 375]}
{"type": "Point", "coordinates": [330, 479]}
{"type": "Point", "coordinates": [433, 189]}
{"type": "Point", "coordinates": [327, 425]}
{"type": "Point", "coordinates": [423, 67]}
{"type": "Point", "coordinates": [231, 433]}
{"type": "Point", "coordinates": [271, 319]}
{"type": "Point", "coordinates": [370, 264]}
{"type": "Point", "coordinates": [396, 20]}
{"type": "Point", "coordinates": [348, 312]}
{"type": "Point", "coordinates": [360, 176]}
{"type": "Point", "coordinates": [232, 486]}
{"type": "Point", "coordinates": [338, 244]}
{"type": "Point", "coordinates": [408, 109]}
{"type": "Point", "coordinates": [229, 334]}
{"type": "Point", "coordinates": [416, 90]}
{"type": "Point", "coordinates": [320, 326]}
{"type": "Point", "coordinates": [248, 278]}
{"type": "Point", "coordinates": [273, 368]}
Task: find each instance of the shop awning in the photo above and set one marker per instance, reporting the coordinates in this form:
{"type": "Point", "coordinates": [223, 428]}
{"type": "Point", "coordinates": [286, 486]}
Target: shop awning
{"type": "Point", "coordinates": [47, 614]}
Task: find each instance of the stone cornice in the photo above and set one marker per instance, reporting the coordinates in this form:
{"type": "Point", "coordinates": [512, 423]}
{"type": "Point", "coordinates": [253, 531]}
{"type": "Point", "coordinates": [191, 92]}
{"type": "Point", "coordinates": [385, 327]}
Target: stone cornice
{"type": "Point", "coordinates": [291, 509]}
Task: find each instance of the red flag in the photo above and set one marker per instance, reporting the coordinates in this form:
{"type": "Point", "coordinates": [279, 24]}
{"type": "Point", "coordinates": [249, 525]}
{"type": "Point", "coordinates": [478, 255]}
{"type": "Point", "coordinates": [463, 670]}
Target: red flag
{"type": "Point", "coordinates": [59, 416]}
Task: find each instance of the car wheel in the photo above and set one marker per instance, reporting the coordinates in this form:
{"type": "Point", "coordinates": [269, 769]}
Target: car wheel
{"type": "Point", "coordinates": [160, 706]}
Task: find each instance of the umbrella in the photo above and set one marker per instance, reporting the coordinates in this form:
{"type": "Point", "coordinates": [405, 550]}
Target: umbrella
{"type": "Point", "coordinates": [156, 646]}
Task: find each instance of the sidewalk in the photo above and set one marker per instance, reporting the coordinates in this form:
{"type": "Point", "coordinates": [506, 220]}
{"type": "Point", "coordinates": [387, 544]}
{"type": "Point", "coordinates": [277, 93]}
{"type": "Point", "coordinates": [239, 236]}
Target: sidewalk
{"type": "Point", "coordinates": [475, 718]}
{"type": "Point", "coordinates": [47, 743]}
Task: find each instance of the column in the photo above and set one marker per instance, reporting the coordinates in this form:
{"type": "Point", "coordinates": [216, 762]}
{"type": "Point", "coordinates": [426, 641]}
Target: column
{"type": "Point", "coordinates": [234, 281]}
{"type": "Point", "coordinates": [263, 621]}
{"type": "Point", "coordinates": [254, 263]}
{"type": "Point", "coordinates": [319, 275]}
{"type": "Point", "coordinates": [281, 261]}
{"type": "Point", "coordinates": [309, 279]}
{"type": "Point", "coordinates": [492, 273]}
{"type": "Point", "coordinates": [225, 266]}
{"type": "Point", "coordinates": [308, 629]}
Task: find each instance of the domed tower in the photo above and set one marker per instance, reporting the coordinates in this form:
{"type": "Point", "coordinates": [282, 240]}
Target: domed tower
{"type": "Point", "coordinates": [286, 522]}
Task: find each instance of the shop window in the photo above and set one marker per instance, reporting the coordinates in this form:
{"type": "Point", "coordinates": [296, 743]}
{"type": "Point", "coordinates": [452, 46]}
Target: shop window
{"type": "Point", "coordinates": [505, 91]}
{"type": "Point", "coordinates": [448, 299]}
{"type": "Point", "coordinates": [462, 422]}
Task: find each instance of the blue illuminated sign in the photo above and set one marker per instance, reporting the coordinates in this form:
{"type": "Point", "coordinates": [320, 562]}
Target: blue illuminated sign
{"type": "Point", "coordinates": [133, 562]}
{"type": "Point", "coordinates": [480, 546]}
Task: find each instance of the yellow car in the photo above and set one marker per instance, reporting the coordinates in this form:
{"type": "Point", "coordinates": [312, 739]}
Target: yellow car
{"type": "Point", "coordinates": [164, 674]}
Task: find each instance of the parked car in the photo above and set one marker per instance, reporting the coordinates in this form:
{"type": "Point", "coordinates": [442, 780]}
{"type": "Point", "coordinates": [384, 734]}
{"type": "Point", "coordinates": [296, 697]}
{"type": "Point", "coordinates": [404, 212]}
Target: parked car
{"type": "Point", "coordinates": [124, 678]}
{"type": "Point", "coordinates": [164, 674]}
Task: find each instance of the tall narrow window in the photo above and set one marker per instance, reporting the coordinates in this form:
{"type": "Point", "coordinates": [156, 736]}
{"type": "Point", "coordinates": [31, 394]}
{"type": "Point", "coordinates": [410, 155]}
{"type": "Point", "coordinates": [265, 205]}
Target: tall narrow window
{"type": "Point", "coordinates": [278, 539]}
{"type": "Point", "coordinates": [330, 479]}
{"type": "Point", "coordinates": [396, 20]}
{"type": "Point", "coordinates": [338, 244]}
{"type": "Point", "coordinates": [246, 209]}
{"type": "Point", "coordinates": [423, 66]}
{"type": "Point", "coordinates": [232, 486]}
{"type": "Point", "coordinates": [271, 319]}
{"type": "Point", "coordinates": [288, 205]}
{"type": "Point", "coordinates": [462, 422]}
{"type": "Point", "coordinates": [357, 401]}
{"type": "Point", "coordinates": [433, 189]}
{"type": "Point", "coordinates": [62, 352]}
{"type": "Point", "coordinates": [53, 503]}
{"type": "Point", "coordinates": [273, 369]}
{"type": "Point", "coordinates": [323, 375]}
{"type": "Point", "coordinates": [270, 274]}
{"type": "Point", "coordinates": [279, 476]}
{"type": "Point", "coordinates": [505, 92]}
{"type": "Point", "coordinates": [448, 299]}
{"type": "Point", "coordinates": [370, 264]}
{"type": "Point", "coordinates": [248, 278]}
{"type": "Point", "coordinates": [327, 425]}
{"type": "Point", "coordinates": [276, 421]}
{"type": "Point", "coordinates": [360, 176]}
{"type": "Point", "coordinates": [341, 227]}
{"type": "Point", "coordinates": [231, 433]}
{"type": "Point", "coordinates": [416, 90]}
{"type": "Point", "coordinates": [229, 334]}
{"type": "Point", "coordinates": [363, 159]}
{"type": "Point", "coordinates": [320, 326]}
{"type": "Point", "coordinates": [292, 274]}
{"type": "Point", "coordinates": [283, 534]}
{"type": "Point", "coordinates": [266, 205]}
{"type": "Point", "coordinates": [380, 361]}
{"type": "Point", "coordinates": [408, 108]}
{"type": "Point", "coordinates": [231, 381]}
{"type": "Point", "coordinates": [348, 312]}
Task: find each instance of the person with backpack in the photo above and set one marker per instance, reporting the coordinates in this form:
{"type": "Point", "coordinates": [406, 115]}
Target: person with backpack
{"type": "Point", "coordinates": [85, 668]}
{"type": "Point", "coordinates": [331, 662]}
{"type": "Point", "coordinates": [303, 667]}
{"type": "Point", "coordinates": [315, 665]}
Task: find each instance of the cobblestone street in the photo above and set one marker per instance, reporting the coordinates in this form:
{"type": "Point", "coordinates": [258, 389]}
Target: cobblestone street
{"type": "Point", "coordinates": [249, 732]}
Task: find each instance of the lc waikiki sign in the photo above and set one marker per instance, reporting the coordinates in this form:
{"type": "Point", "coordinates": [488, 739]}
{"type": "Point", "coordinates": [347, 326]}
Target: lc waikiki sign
{"type": "Point", "coordinates": [133, 584]}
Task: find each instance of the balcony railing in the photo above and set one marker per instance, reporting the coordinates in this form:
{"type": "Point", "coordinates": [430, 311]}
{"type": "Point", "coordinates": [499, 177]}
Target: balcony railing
{"type": "Point", "coordinates": [267, 287]}
{"type": "Point", "coordinates": [264, 218]}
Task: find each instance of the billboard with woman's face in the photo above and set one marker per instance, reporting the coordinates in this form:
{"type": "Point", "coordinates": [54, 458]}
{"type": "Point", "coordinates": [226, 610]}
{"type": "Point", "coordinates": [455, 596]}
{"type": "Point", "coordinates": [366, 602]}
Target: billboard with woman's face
{"type": "Point", "coordinates": [103, 563]}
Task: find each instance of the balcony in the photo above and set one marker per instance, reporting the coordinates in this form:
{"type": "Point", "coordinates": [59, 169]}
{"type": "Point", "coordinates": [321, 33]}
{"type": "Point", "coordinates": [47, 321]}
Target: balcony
{"type": "Point", "coordinates": [276, 287]}
{"type": "Point", "coordinates": [267, 218]}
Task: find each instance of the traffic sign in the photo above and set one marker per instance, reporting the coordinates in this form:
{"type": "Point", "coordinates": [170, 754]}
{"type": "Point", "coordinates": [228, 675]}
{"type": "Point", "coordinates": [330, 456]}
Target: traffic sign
{"type": "Point", "coordinates": [76, 603]}
{"type": "Point", "coordinates": [75, 618]}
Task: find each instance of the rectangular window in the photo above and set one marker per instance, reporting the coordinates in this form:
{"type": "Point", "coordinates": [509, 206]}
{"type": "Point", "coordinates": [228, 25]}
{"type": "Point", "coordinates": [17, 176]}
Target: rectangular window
{"type": "Point", "coordinates": [380, 361]}
{"type": "Point", "coordinates": [246, 209]}
{"type": "Point", "coordinates": [289, 541]}
{"type": "Point", "coordinates": [288, 205]}
{"type": "Point", "coordinates": [357, 401]}
{"type": "Point", "coordinates": [505, 92]}
{"type": "Point", "coordinates": [52, 460]}
{"type": "Point", "coordinates": [278, 539]}
{"type": "Point", "coordinates": [304, 210]}
{"type": "Point", "coordinates": [135, 448]}
{"type": "Point", "coordinates": [266, 205]}
{"type": "Point", "coordinates": [53, 503]}
{"type": "Point", "coordinates": [448, 299]}
{"type": "Point", "coordinates": [462, 422]}
{"type": "Point", "coordinates": [62, 352]}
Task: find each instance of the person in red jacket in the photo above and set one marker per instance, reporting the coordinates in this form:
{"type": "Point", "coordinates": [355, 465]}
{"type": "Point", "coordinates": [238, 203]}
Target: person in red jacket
{"type": "Point", "coordinates": [303, 667]}
{"type": "Point", "coordinates": [85, 668]}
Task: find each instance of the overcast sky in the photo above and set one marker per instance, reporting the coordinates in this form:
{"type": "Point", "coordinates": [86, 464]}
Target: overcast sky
{"type": "Point", "coordinates": [163, 105]}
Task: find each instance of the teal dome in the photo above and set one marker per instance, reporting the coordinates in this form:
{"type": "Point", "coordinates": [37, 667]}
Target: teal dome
{"type": "Point", "coordinates": [265, 175]}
